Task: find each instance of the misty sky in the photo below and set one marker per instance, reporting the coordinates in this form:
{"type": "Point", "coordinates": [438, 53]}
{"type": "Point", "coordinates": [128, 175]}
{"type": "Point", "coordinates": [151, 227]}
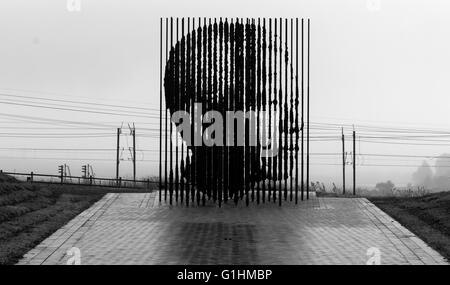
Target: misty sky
{"type": "Point", "coordinates": [376, 63]}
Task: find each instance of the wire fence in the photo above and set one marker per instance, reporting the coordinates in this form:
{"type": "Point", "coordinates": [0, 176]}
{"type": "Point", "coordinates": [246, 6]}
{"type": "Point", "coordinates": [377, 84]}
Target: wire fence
{"type": "Point", "coordinates": [31, 177]}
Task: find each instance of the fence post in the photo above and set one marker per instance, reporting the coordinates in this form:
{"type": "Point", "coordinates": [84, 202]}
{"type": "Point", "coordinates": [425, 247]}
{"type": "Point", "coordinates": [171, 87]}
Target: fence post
{"type": "Point", "coordinates": [120, 181]}
{"type": "Point", "coordinates": [148, 183]}
{"type": "Point", "coordinates": [90, 180]}
{"type": "Point", "coordinates": [62, 177]}
{"type": "Point", "coordinates": [31, 177]}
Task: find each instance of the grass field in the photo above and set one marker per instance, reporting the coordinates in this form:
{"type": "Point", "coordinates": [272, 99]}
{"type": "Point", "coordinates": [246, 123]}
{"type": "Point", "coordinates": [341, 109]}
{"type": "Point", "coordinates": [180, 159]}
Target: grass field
{"type": "Point", "coordinates": [427, 216]}
{"type": "Point", "coordinates": [30, 212]}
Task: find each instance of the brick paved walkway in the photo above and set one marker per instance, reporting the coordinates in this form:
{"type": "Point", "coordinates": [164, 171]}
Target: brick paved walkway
{"type": "Point", "coordinates": [135, 229]}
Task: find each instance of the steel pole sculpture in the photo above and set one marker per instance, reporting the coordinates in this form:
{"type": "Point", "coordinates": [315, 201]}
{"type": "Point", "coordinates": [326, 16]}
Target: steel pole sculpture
{"type": "Point", "coordinates": [232, 99]}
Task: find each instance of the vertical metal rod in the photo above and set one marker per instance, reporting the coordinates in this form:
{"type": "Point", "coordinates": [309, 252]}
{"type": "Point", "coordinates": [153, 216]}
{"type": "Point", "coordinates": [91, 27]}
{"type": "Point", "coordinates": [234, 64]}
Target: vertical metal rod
{"type": "Point", "coordinates": [258, 99]}
{"type": "Point", "coordinates": [307, 120]}
{"type": "Point", "coordinates": [280, 129]}
{"type": "Point", "coordinates": [226, 163]}
{"type": "Point", "coordinates": [241, 93]}
{"type": "Point", "coordinates": [264, 107]}
{"type": "Point", "coordinates": [171, 131]}
{"type": "Point", "coordinates": [276, 107]}
{"type": "Point", "coordinates": [269, 160]}
{"type": "Point", "coordinates": [207, 56]}
{"type": "Point", "coordinates": [275, 59]}
{"type": "Point", "coordinates": [220, 106]}
{"type": "Point", "coordinates": [252, 102]}
{"type": "Point", "coordinates": [343, 162]}
{"type": "Point", "coordinates": [246, 97]}
{"type": "Point", "coordinates": [297, 130]}
{"type": "Point", "coordinates": [160, 108]}
{"type": "Point", "coordinates": [286, 119]}
{"type": "Point", "coordinates": [291, 114]}
{"type": "Point", "coordinates": [303, 122]}
{"type": "Point", "coordinates": [181, 106]}
{"type": "Point", "coordinates": [177, 87]}
{"type": "Point", "coordinates": [207, 86]}
{"type": "Point", "coordinates": [189, 103]}
{"type": "Point", "coordinates": [166, 118]}
{"type": "Point", "coordinates": [214, 175]}
{"type": "Point", "coordinates": [237, 98]}
{"type": "Point", "coordinates": [354, 162]}
{"type": "Point", "coordinates": [232, 100]}
{"type": "Point", "coordinates": [194, 124]}
{"type": "Point", "coordinates": [196, 38]}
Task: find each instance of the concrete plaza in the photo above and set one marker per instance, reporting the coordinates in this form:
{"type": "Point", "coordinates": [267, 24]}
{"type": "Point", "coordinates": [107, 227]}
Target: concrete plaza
{"type": "Point", "coordinates": [137, 229]}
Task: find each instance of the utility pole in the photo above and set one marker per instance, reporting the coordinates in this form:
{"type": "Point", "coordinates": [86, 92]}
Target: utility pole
{"type": "Point", "coordinates": [117, 157]}
{"type": "Point", "coordinates": [133, 150]}
{"type": "Point", "coordinates": [343, 162]}
{"type": "Point", "coordinates": [134, 154]}
{"type": "Point", "coordinates": [90, 170]}
{"type": "Point", "coordinates": [67, 170]}
{"type": "Point", "coordinates": [354, 162]}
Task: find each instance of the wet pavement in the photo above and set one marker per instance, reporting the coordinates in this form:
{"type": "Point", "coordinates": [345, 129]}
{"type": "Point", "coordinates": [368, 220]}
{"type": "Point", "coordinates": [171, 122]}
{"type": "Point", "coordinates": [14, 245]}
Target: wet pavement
{"type": "Point", "coordinates": [137, 229]}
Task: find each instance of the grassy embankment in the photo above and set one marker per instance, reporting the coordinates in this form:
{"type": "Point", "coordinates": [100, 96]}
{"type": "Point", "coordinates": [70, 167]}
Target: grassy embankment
{"type": "Point", "coordinates": [427, 216]}
{"type": "Point", "coordinates": [31, 212]}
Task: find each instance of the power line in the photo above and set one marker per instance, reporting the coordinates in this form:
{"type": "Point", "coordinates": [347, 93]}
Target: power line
{"type": "Point", "coordinates": [75, 110]}
{"type": "Point", "coordinates": [77, 102]}
{"type": "Point", "coordinates": [55, 136]}
{"type": "Point", "coordinates": [40, 104]}
{"type": "Point", "coordinates": [382, 165]}
{"type": "Point", "coordinates": [68, 159]}
{"type": "Point", "coordinates": [52, 120]}
{"type": "Point", "coordinates": [405, 143]}
{"type": "Point", "coordinates": [56, 149]}
{"type": "Point", "coordinates": [336, 126]}
{"type": "Point", "coordinates": [64, 95]}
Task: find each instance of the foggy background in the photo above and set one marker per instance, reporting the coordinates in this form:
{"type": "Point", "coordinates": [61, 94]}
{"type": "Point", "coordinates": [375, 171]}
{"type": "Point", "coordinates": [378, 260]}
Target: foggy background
{"type": "Point", "coordinates": [382, 66]}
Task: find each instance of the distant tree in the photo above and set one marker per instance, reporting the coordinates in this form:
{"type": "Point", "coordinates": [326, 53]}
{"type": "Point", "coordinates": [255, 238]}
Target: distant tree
{"type": "Point", "coordinates": [386, 188]}
{"type": "Point", "coordinates": [423, 175]}
{"type": "Point", "coordinates": [441, 179]}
